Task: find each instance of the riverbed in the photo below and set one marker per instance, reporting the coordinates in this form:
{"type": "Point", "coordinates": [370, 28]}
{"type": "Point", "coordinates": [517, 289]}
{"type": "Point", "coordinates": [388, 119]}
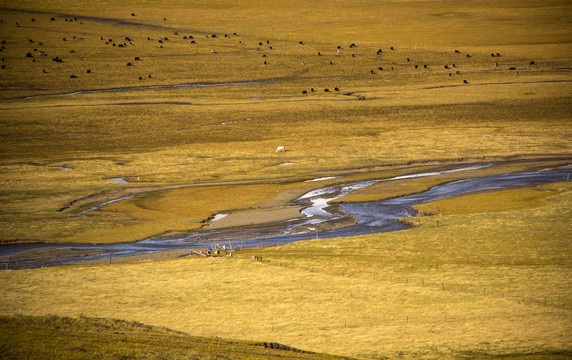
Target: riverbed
{"type": "Point", "coordinates": [352, 219]}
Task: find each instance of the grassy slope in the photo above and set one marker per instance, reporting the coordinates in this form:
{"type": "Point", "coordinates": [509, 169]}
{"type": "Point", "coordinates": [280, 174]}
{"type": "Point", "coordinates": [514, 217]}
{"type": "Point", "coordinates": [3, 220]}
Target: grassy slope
{"type": "Point", "coordinates": [52, 337]}
{"type": "Point", "coordinates": [490, 284]}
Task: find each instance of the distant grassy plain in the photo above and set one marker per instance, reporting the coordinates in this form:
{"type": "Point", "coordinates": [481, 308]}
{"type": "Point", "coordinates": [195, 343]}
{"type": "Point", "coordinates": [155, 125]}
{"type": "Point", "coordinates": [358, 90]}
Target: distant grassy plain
{"type": "Point", "coordinates": [154, 135]}
{"type": "Point", "coordinates": [193, 151]}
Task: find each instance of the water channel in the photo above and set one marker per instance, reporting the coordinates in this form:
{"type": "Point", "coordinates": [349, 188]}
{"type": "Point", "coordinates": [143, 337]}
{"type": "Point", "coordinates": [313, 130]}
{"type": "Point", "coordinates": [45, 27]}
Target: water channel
{"type": "Point", "coordinates": [370, 217]}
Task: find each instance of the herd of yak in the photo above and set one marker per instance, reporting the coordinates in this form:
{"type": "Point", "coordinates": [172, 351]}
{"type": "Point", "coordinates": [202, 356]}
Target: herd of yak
{"type": "Point", "coordinates": [39, 50]}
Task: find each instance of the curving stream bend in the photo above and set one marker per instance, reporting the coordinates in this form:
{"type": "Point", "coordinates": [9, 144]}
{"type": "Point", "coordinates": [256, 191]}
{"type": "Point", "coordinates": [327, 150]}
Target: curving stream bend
{"type": "Point", "coordinates": [371, 217]}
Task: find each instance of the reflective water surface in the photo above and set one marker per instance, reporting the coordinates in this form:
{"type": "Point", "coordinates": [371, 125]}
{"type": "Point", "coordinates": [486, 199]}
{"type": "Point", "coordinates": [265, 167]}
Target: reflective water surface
{"type": "Point", "coordinates": [372, 217]}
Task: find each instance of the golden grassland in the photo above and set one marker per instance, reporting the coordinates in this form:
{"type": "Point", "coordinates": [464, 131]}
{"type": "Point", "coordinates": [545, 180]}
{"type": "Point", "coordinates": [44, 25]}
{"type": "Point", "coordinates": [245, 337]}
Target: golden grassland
{"type": "Point", "coordinates": [489, 202]}
{"type": "Point", "coordinates": [169, 211]}
{"type": "Point", "coordinates": [482, 284]}
{"type": "Point", "coordinates": [155, 211]}
{"type": "Point", "coordinates": [491, 280]}
{"type": "Point", "coordinates": [51, 337]}
{"type": "Point", "coordinates": [154, 144]}
{"type": "Point", "coordinates": [428, 24]}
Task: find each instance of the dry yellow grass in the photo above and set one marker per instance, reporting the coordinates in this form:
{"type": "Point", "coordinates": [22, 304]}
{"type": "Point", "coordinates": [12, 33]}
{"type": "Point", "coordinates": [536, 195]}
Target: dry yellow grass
{"type": "Point", "coordinates": [51, 337]}
{"type": "Point", "coordinates": [495, 283]}
{"type": "Point", "coordinates": [437, 25]}
{"type": "Point", "coordinates": [189, 209]}
{"type": "Point", "coordinates": [505, 273]}
{"type": "Point", "coordinates": [514, 199]}
{"type": "Point", "coordinates": [191, 135]}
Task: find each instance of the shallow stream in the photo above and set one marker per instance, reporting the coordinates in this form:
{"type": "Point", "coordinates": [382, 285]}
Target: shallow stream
{"type": "Point", "coordinates": [372, 217]}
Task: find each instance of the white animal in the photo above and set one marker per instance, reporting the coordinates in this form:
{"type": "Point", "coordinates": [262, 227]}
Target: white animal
{"type": "Point", "coordinates": [280, 149]}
